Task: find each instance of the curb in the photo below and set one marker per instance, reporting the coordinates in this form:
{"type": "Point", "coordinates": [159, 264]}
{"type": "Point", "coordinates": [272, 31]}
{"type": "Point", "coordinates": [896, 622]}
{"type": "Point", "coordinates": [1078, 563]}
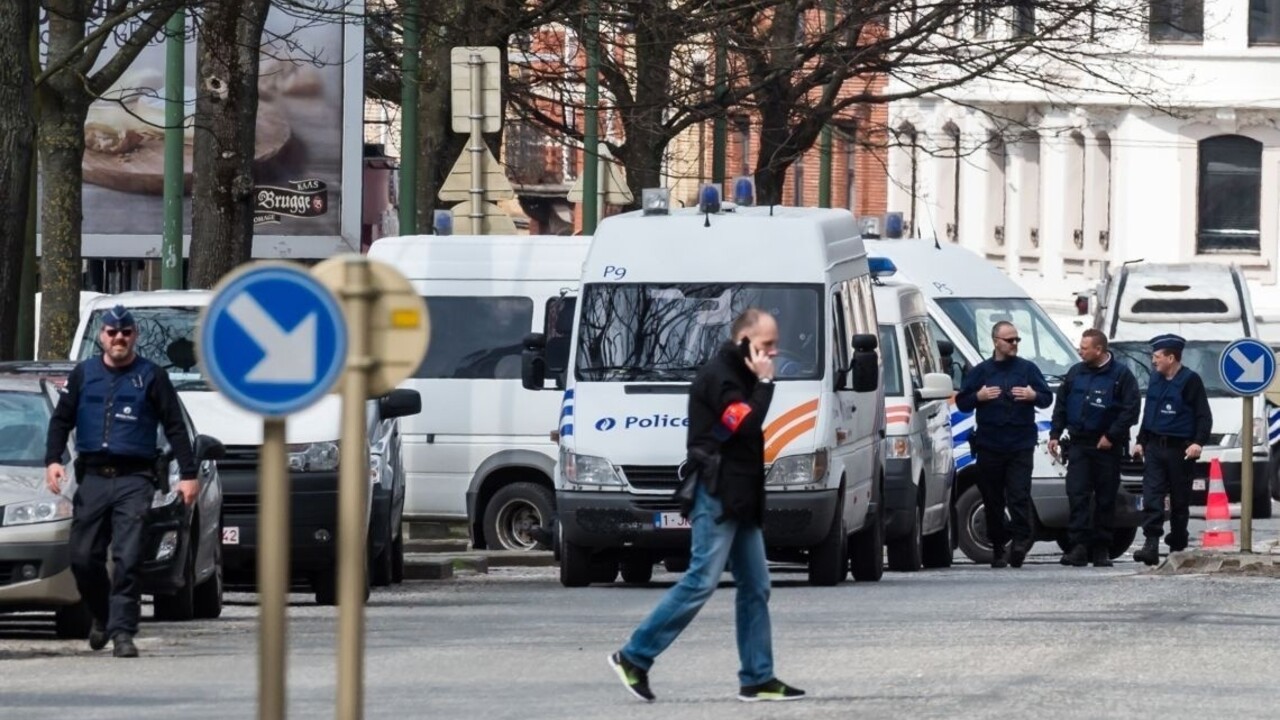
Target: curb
{"type": "Point", "coordinates": [1210, 562]}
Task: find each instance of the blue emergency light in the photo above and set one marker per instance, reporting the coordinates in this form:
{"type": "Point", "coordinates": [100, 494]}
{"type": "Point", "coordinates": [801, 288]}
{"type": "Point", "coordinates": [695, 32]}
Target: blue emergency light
{"type": "Point", "coordinates": [744, 191]}
{"type": "Point", "coordinates": [709, 199]}
{"type": "Point", "coordinates": [442, 222]}
{"type": "Point", "coordinates": [881, 266]}
{"type": "Point", "coordinates": [893, 225]}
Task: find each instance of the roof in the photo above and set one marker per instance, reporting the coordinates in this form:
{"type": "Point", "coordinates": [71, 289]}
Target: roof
{"type": "Point", "coordinates": [897, 300]}
{"type": "Point", "coordinates": [947, 270]}
{"type": "Point", "coordinates": [484, 257]}
{"type": "Point", "coordinates": [1180, 293]}
{"type": "Point", "coordinates": [152, 298]}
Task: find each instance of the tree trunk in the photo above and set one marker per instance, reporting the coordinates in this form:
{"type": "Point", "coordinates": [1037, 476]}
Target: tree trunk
{"type": "Point", "coordinates": [17, 147]}
{"type": "Point", "coordinates": [227, 61]}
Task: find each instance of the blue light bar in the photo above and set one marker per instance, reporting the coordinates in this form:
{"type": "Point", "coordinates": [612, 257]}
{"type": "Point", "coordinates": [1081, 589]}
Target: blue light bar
{"type": "Point", "coordinates": [709, 199]}
{"type": "Point", "coordinates": [442, 222]}
{"type": "Point", "coordinates": [881, 267]}
{"type": "Point", "coordinates": [744, 191]}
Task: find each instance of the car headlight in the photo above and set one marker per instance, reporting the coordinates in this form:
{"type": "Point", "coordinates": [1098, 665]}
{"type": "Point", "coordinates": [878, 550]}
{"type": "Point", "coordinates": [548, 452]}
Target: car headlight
{"type": "Point", "coordinates": [315, 457]}
{"type": "Point", "coordinates": [798, 469]}
{"type": "Point", "coordinates": [1260, 435]}
{"type": "Point", "coordinates": [37, 511]}
{"type": "Point", "coordinates": [897, 448]}
{"type": "Point", "coordinates": [587, 469]}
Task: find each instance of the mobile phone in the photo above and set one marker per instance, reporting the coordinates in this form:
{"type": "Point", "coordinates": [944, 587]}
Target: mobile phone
{"type": "Point", "coordinates": [744, 347]}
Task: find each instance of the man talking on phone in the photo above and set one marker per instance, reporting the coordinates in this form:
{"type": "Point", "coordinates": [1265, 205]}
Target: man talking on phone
{"type": "Point", "coordinates": [728, 402]}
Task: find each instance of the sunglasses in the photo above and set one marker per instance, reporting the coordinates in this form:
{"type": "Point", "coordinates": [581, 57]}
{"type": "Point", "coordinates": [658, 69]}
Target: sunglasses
{"type": "Point", "coordinates": [1012, 340]}
{"type": "Point", "coordinates": [112, 332]}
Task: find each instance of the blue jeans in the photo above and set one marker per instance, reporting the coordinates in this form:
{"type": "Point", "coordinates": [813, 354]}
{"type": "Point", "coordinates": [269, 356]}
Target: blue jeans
{"type": "Point", "coordinates": [742, 545]}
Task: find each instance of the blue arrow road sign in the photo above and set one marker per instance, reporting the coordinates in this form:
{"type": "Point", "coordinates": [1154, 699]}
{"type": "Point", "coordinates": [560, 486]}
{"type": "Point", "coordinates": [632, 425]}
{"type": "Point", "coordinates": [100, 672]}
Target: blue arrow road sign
{"type": "Point", "coordinates": [1247, 366]}
{"type": "Point", "coordinates": [273, 339]}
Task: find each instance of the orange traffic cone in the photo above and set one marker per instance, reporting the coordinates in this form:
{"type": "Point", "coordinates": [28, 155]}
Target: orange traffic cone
{"type": "Point", "coordinates": [1217, 516]}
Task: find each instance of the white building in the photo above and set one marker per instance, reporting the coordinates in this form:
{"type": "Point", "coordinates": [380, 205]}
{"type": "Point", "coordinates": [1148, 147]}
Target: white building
{"type": "Point", "coordinates": [1055, 189]}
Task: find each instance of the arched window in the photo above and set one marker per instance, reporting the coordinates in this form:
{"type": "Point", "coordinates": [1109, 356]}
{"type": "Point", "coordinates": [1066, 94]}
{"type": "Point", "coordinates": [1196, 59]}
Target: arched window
{"type": "Point", "coordinates": [1230, 195]}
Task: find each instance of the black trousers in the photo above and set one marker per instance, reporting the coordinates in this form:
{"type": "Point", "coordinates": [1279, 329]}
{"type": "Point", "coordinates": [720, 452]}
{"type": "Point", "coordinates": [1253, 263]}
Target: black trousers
{"type": "Point", "coordinates": [1093, 479]}
{"type": "Point", "coordinates": [110, 512]}
{"type": "Point", "coordinates": [1004, 479]}
{"type": "Point", "coordinates": [1167, 472]}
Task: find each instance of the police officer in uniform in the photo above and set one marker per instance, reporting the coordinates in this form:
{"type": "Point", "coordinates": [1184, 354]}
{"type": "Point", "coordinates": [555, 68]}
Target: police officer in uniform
{"type": "Point", "coordinates": [1097, 405]}
{"type": "Point", "coordinates": [1175, 426]}
{"type": "Point", "coordinates": [115, 402]}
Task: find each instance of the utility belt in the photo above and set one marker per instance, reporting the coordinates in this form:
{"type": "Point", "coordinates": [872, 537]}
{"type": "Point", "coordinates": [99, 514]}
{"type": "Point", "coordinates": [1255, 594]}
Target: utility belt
{"type": "Point", "coordinates": [109, 466]}
{"type": "Point", "coordinates": [1167, 441]}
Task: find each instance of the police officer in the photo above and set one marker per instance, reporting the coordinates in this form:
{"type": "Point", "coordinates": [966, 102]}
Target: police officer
{"type": "Point", "coordinates": [115, 401]}
{"type": "Point", "coordinates": [1097, 404]}
{"type": "Point", "coordinates": [1175, 426]}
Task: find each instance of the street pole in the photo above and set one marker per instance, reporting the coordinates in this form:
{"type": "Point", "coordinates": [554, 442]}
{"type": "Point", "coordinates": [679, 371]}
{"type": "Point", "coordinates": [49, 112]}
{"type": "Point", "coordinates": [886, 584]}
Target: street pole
{"type": "Point", "coordinates": [590, 129]}
{"type": "Point", "coordinates": [477, 148]}
{"type": "Point", "coordinates": [602, 182]}
{"type": "Point", "coordinates": [174, 170]}
{"type": "Point", "coordinates": [720, 130]}
{"type": "Point", "coordinates": [273, 570]}
{"type": "Point", "coordinates": [409, 122]}
{"type": "Point", "coordinates": [353, 487]}
{"type": "Point", "coordinates": [824, 145]}
{"type": "Point", "coordinates": [1246, 477]}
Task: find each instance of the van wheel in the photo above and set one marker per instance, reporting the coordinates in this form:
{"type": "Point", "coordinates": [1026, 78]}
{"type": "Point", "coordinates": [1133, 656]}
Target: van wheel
{"type": "Point", "coordinates": [972, 526]}
{"type": "Point", "coordinates": [676, 564]}
{"type": "Point", "coordinates": [325, 586]}
{"type": "Point", "coordinates": [575, 565]}
{"type": "Point", "coordinates": [604, 571]}
{"type": "Point", "coordinates": [828, 562]}
{"type": "Point", "coordinates": [866, 550]}
{"type": "Point", "coordinates": [937, 548]}
{"type": "Point", "coordinates": [637, 572]}
{"type": "Point", "coordinates": [73, 622]}
{"type": "Point", "coordinates": [1121, 540]}
{"type": "Point", "coordinates": [905, 553]}
{"type": "Point", "coordinates": [513, 515]}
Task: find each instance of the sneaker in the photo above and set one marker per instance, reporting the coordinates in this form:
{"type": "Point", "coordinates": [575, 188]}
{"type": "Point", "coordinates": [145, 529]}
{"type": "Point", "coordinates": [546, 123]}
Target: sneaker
{"type": "Point", "coordinates": [636, 680]}
{"type": "Point", "coordinates": [97, 636]}
{"type": "Point", "coordinates": [124, 647]}
{"type": "Point", "coordinates": [772, 690]}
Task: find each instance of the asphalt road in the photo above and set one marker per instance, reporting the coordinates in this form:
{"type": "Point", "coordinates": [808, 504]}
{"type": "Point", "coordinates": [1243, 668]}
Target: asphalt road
{"type": "Point", "coordinates": [968, 642]}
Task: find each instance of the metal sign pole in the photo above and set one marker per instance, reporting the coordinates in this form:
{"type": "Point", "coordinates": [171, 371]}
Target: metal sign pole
{"type": "Point", "coordinates": [477, 145]}
{"type": "Point", "coordinates": [353, 487]}
{"type": "Point", "coordinates": [273, 569]}
{"type": "Point", "coordinates": [1246, 476]}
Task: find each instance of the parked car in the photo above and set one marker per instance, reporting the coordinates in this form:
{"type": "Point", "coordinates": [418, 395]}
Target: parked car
{"type": "Point", "coordinates": [181, 566]}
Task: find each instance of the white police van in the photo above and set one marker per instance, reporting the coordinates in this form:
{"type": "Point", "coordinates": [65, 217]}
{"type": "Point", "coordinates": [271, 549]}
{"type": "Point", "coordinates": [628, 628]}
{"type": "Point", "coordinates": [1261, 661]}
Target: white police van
{"type": "Point", "coordinates": [482, 452]}
{"type": "Point", "coordinates": [919, 466]}
{"type": "Point", "coordinates": [966, 295]}
{"type": "Point", "coordinates": [660, 289]}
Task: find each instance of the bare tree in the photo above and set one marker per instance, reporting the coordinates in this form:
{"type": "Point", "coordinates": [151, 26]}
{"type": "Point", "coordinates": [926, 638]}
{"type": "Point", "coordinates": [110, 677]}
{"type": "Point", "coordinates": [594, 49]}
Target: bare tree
{"type": "Point", "coordinates": [17, 151]}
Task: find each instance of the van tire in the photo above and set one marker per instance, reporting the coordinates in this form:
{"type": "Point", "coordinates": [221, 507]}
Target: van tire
{"type": "Point", "coordinates": [866, 549]}
{"type": "Point", "coordinates": [637, 572]}
{"type": "Point", "coordinates": [575, 565]}
{"type": "Point", "coordinates": [972, 525]}
{"type": "Point", "coordinates": [828, 562]}
{"type": "Point", "coordinates": [937, 547]}
{"type": "Point", "coordinates": [513, 511]}
{"type": "Point", "coordinates": [906, 553]}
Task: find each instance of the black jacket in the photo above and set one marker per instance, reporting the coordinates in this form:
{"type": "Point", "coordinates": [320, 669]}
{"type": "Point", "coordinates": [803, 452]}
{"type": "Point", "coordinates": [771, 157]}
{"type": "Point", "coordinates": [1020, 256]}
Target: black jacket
{"type": "Point", "coordinates": [727, 407]}
{"type": "Point", "coordinates": [1004, 424]}
{"type": "Point", "coordinates": [1097, 401]}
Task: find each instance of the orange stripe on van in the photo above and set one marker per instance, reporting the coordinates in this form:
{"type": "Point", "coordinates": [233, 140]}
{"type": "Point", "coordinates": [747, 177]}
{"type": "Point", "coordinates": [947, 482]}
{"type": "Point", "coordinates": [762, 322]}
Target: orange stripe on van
{"type": "Point", "coordinates": [788, 417]}
{"type": "Point", "coordinates": [779, 443]}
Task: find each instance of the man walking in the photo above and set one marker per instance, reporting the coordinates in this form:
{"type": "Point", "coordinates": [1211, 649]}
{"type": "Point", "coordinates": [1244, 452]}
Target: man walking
{"type": "Point", "coordinates": [1005, 391]}
{"type": "Point", "coordinates": [1097, 405]}
{"type": "Point", "coordinates": [1175, 427]}
{"type": "Point", "coordinates": [114, 402]}
{"type": "Point", "coordinates": [728, 401]}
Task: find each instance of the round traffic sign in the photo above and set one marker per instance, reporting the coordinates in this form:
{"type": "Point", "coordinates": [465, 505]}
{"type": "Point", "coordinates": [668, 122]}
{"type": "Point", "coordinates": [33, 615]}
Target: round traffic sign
{"type": "Point", "coordinates": [1247, 366]}
{"type": "Point", "coordinates": [273, 339]}
{"type": "Point", "coordinates": [399, 325]}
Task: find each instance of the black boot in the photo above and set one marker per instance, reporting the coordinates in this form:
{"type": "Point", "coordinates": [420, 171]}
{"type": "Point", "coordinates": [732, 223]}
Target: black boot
{"type": "Point", "coordinates": [1077, 557]}
{"type": "Point", "coordinates": [124, 647]}
{"type": "Point", "coordinates": [997, 557]}
{"type": "Point", "coordinates": [1102, 557]}
{"type": "Point", "coordinates": [1150, 552]}
{"type": "Point", "coordinates": [1018, 552]}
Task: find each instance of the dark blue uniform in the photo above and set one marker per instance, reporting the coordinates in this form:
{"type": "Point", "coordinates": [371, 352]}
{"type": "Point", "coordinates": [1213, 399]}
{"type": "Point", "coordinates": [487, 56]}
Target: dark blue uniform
{"type": "Point", "coordinates": [115, 413]}
{"type": "Point", "coordinates": [1095, 402]}
{"type": "Point", "coordinates": [1176, 415]}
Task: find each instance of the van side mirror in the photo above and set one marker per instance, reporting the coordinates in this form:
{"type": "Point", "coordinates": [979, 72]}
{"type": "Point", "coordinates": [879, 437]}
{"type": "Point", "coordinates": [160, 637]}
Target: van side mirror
{"type": "Point", "coordinates": [400, 403]}
{"type": "Point", "coordinates": [947, 351]}
{"type": "Point", "coordinates": [208, 448]}
{"type": "Point", "coordinates": [533, 361]}
{"type": "Point", "coordinates": [866, 363]}
{"type": "Point", "coordinates": [937, 386]}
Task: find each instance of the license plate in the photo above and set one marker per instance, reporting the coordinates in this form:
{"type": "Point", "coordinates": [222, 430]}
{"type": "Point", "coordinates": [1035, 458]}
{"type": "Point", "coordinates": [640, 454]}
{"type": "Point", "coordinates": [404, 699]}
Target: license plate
{"type": "Point", "coordinates": [230, 536]}
{"type": "Point", "coordinates": [1197, 484]}
{"type": "Point", "coordinates": [669, 521]}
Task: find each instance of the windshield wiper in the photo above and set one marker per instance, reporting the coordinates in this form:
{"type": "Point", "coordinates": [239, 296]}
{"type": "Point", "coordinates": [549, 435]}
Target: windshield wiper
{"type": "Point", "coordinates": [636, 372]}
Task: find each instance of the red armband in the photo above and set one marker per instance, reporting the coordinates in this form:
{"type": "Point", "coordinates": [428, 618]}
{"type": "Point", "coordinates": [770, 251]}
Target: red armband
{"type": "Point", "coordinates": [735, 415]}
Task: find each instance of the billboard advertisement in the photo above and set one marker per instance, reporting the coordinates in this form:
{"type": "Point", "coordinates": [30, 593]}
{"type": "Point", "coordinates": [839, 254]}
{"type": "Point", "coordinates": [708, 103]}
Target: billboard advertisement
{"type": "Point", "coordinates": [307, 160]}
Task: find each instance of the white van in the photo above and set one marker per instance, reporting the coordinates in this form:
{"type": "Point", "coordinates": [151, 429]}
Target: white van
{"type": "Point", "coordinates": [919, 467]}
{"type": "Point", "coordinates": [482, 451]}
{"type": "Point", "coordinates": [1209, 306]}
{"type": "Point", "coordinates": [659, 292]}
{"type": "Point", "coordinates": [966, 295]}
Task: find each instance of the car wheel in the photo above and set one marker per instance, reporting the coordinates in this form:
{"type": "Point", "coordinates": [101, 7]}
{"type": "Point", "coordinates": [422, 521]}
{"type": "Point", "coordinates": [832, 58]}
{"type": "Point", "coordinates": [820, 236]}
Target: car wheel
{"type": "Point", "coordinates": [380, 567]}
{"type": "Point", "coordinates": [514, 513]}
{"type": "Point", "coordinates": [1121, 540]}
{"type": "Point", "coordinates": [637, 572]}
{"type": "Point", "coordinates": [937, 550]}
{"type": "Point", "coordinates": [906, 553]}
{"type": "Point", "coordinates": [73, 622]}
{"type": "Point", "coordinates": [208, 597]}
{"type": "Point", "coordinates": [180, 606]}
{"type": "Point", "coordinates": [397, 559]}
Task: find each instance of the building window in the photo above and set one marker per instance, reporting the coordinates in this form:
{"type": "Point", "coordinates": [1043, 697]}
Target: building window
{"type": "Point", "coordinates": [1177, 21]}
{"type": "Point", "coordinates": [742, 129]}
{"type": "Point", "coordinates": [1230, 195]}
{"type": "Point", "coordinates": [952, 228]}
{"type": "Point", "coordinates": [1264, 22]}
{"type": "Point", "coordinates": [850, 174]}
{"type": "Point", "coordinates": [1024, 18]}
{"type": "Point", "coordinates": [797, 177]}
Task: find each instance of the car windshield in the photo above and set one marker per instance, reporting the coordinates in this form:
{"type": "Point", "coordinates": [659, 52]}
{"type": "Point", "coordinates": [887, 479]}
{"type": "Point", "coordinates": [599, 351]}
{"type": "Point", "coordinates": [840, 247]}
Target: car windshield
{"type": "Point", "coordinates": [24, 419]}
{"type": "Point", "coordinates": [166, 337]}
{"type": "Point", "coordinates": [1200, 356]}
{"type": "Point", "coordinates": [665, 332]}
{"type": "Point", "coordinates": [1042, 341]}
{"type": "Point", "coordinates": [891, 368]}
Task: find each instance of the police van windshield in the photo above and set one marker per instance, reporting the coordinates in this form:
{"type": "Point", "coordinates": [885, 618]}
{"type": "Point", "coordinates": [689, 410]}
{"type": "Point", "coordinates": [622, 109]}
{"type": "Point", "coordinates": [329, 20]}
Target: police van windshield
{"type": "Point", "coordinates": [665, 332]}
{"type": "Point", "coordinates": [1042, 342]}
{"type": "Point", "coordinates": [166, 337]}
{"type": "Point", "coordinates": [1199, 356]}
